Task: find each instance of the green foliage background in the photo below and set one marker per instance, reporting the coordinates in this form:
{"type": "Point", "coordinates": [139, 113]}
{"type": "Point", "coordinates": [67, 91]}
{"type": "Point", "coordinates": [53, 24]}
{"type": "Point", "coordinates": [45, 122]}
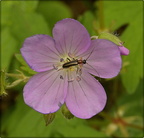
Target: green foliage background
{"type": "Point", "coordinates": [123, 114]}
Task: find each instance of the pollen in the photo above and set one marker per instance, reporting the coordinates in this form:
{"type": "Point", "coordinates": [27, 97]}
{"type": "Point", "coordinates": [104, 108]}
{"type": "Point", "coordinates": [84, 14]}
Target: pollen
{"type": "Point", "coordinates": [72, 68]}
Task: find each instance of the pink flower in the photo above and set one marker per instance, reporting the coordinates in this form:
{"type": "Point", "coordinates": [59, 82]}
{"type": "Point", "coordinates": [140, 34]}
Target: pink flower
{"type": "Point", "coordinates": [64, 64]}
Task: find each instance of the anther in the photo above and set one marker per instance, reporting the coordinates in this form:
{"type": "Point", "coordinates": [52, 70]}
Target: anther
{"type": "Point", "coordinates": [71, 80]}
{"type": "Point", "coordinates": [78, 78]}
{"type": "Point", "coordinates": [79, 71]}
{"type": "Point", "coordinates": [70, 55]}
{"type": "Point", "coordinates": [94, 37]}
{"type": "Point", "coordinates": [61, 60]}
{"type": "Point", "coordinates": [61, 77]}
{"type": "Point", "coordinates": [55, 67]}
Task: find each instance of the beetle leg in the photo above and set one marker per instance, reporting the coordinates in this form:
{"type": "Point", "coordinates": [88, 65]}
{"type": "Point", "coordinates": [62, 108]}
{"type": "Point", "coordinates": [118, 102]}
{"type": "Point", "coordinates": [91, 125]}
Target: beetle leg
{"type": "Point", "coordinates": [71, 55]}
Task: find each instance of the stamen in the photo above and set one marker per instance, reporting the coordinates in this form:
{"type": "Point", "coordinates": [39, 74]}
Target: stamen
{"type": "Point", "coordinates": [94, 37]}
{"type": "Point", "coordinates": [71, 55]}
{"type": "Point", "coordinates": [61, 60]}
{"type": "Point", "coordinates": [71, 80]}
{"type": "Point", "coordinates": [68, 59]}
{"type": "Point", "coordinates": [79, 71]}
{"type": "Point", "coordinates": [78, 78]}
{"type": "Point", "coordinates": [61, 77]}
{"type": "Point", "coordinates": [55, 67]}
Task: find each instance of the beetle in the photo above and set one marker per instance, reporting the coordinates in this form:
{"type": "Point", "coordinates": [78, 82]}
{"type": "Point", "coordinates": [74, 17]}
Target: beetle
{"type": "Point", "coordinates": [74, 63]}
{"type": "Point", "coordinates": [80, 62]}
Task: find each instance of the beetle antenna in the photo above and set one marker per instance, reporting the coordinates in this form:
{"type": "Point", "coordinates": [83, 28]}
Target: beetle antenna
{"type": "Point", "coordinates": [95, 70]}
{"type": "Point", "coordinates": [89, 54]}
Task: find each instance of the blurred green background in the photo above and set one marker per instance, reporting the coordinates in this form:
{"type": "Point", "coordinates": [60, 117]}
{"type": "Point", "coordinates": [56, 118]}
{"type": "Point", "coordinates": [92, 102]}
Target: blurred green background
{"type": "Point", "coordinates": [123, 114]}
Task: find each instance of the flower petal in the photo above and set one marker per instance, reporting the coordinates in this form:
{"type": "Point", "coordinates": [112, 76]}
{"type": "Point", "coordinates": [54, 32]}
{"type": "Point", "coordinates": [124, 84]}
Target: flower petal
{"type": "Point", "coordinates": [123, 50]}
{"type": "Point", "coordinates": [40, 53]}
{"type": "Point", "coordinates": [86, 97]}
{"type": "Point", "coordinates": [71, 37]}
{"type": "Point", "coordinates": [45, 92]}
{"type": "Point", "coordinates": [104, 59]}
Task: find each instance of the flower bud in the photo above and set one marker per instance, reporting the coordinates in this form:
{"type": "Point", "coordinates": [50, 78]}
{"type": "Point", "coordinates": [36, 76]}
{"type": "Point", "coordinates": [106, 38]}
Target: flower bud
{"type": "Point", "coordinates": [116, 40]}
{"type": "Point", "coordinates": [110, 37]}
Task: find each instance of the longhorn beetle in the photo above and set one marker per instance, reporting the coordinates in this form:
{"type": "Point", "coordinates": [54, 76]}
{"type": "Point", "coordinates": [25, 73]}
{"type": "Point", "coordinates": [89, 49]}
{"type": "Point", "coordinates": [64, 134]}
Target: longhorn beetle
{"type": "Point", "coordinates": [76, 62]}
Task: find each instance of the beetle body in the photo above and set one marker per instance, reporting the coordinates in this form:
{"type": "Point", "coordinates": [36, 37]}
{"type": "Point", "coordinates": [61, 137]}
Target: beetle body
{"type": "Point", "coordinates": [73, 63]}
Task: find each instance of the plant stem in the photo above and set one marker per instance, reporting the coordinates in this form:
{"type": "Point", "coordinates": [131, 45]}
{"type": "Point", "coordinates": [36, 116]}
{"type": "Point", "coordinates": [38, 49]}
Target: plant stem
{"type": "Point", "coordinates": [134, 126]}
{"type": "Point", "coordinates": [101, 14]}
{"type": "Point", "coordinates": [13, 75]}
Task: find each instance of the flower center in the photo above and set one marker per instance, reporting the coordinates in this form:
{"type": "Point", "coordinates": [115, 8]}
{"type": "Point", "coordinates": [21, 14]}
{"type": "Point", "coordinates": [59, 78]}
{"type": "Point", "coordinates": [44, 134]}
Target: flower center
{"type": "Point", "coordinates": [72, 65]}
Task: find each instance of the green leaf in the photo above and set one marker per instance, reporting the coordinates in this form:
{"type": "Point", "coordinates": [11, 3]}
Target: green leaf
{"type": "Point", "coordinates": [8, 6]}
{"type": "Point", "coordinates": [80, 131]}
{"type": "Point", "coordinates": [2, 83]}
{"type": "Point", "coordinates": [21, 59]}
{"type": "Point", "coordinates": [24, 121]}
{"type": "Point", "coordinates": [120, 13]}
{"type": "Point", "coordinates": [133, 102]}
{"type": "Point", "coordinates": [87, 19]}
{"type": "Point", "coordinates": [131, 107]}
{"type": "Point", "coordinates": [25, 66]}
{"type": "Point", "coordinates": [8, 48]}
{"type": "Point", "coordinates": [22, 19]}
{"type": "Point", "coordinates": [28, 69]}
{"type": "Point", "coordinates": [27, 24]}
{"type": "Point", "coordinates": [26, 6]}
{"type": "Point", "coordinates": [54, 11]}
{"type": "Point", "coordinates": [5, 13]}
